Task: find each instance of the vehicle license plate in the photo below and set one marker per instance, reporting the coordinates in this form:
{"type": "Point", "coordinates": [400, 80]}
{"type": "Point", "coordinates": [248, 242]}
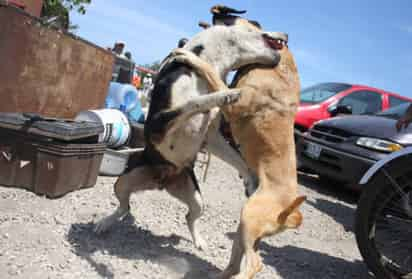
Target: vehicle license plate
{"type": "Point", "coordinates": [313, 150]}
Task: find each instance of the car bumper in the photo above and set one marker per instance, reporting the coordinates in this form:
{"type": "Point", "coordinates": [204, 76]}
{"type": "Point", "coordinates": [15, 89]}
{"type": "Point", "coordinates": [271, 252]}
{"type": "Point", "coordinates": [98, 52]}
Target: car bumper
{"type": "Point", "coordinates": [333, 163]}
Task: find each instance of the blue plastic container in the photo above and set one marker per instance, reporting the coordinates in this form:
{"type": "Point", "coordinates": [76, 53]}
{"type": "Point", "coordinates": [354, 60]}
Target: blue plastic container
{"type": "Point", "coordinates": [125, 97]}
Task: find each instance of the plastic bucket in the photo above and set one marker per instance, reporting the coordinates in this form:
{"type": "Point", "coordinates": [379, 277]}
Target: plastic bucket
{"type": "Point", "coordinates": [116, 125]}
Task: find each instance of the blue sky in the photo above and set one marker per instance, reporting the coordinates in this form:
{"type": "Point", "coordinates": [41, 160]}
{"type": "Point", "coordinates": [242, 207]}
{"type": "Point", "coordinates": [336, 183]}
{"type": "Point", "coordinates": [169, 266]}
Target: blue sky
{"type": "Point", "coordinates": [357, 41]}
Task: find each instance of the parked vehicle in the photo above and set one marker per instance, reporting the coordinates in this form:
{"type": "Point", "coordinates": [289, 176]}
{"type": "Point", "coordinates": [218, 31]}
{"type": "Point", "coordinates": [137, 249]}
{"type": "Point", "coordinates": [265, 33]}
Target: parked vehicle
{"type": "Point", "coordinates": [326, 100]}
{"type": "Point", "coordinates": [383, 226]}
{"type": "Point", "coordinates": [343, 148]}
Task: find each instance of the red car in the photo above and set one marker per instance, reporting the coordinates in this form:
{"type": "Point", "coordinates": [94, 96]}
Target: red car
{"type": "Point", "coordinates": [326, 100]}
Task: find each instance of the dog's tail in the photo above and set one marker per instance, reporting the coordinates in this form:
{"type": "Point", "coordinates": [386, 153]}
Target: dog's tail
{"type": "Point", "coordinates": [291, 216]}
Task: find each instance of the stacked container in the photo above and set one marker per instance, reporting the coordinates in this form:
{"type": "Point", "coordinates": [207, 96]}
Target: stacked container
{"type": "Point", "coordinates": [48, 156]}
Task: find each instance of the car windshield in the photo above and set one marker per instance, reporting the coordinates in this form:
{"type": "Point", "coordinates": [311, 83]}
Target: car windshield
{"type": "Point", "coordinates": [395, 112]}
{"type": "Point", "coordinates": [320, 92]}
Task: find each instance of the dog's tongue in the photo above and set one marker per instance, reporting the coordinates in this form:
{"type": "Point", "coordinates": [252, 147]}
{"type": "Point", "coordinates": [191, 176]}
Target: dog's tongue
{"type": "Point", "coordinates": [275, 43]}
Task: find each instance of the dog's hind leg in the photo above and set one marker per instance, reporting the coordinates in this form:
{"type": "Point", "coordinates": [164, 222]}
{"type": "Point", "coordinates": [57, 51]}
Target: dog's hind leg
{"type": "Point", "coordinates": [186, 189]}
{"type": "Point", "coordinates": [245, 259]}
{"type": "Point", "coordinates": [140, 178]}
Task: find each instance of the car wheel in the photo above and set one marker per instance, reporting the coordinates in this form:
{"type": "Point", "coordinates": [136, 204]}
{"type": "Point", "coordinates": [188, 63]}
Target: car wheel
{"type": "Point", "coordinates": [383, 221]}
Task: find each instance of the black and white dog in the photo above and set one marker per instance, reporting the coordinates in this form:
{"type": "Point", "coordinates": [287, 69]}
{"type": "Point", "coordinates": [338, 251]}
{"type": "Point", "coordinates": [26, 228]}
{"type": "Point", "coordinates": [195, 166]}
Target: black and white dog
{"type": "Point", "coordinates": [180, 115]}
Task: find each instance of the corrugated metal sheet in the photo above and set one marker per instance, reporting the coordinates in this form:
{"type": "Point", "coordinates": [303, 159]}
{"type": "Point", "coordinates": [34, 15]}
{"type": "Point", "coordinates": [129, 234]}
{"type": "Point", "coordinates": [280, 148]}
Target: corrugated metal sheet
{"type": "Point", "coordinates": [33, 7]}
{"type": "Point", "coordinates": [46, 71]}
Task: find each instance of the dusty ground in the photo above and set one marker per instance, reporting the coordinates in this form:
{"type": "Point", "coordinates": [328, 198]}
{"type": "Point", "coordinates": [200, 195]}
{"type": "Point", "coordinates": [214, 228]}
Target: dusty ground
{"type": "Point", "coordinates": [41, 238]}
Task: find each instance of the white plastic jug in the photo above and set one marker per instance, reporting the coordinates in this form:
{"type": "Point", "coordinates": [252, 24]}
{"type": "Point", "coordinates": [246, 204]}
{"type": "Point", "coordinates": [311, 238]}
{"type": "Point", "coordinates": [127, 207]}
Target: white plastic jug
{"type": "Point", "coordinates": [116, 125]}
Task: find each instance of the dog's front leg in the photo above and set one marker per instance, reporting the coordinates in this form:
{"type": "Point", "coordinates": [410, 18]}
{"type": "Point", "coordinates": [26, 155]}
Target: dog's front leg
{"type": "Point", "coordinates": [202, 68]}
{"type": "Point", "coordinates": [217, 145]}
{"type": "Point", "coordinates": [205, 70]}
{"type": "Point", "coordinates": [177, 117]}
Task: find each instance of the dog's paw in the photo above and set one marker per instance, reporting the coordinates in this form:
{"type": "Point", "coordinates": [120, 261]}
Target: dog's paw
{"type": "Point", "coordinates": [226, 274]}
{"type": "Point", "coordinates": [180, 51]}
{"type": "Point", "coordinates": [200, 244]}
{"type": "Point", "coordinates": [231, 98]}
{"type": "Point", "coordinates": [181, 58]}
{"type": "Point", "coordinates": [103, 225]}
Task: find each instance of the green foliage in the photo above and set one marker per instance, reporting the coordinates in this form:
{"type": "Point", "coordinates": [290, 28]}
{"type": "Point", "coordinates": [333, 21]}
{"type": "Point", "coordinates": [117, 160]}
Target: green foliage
{"type": "Point", "coordinates": [61, 9]}
{"type": "Point", "coordinates": [155, 66]}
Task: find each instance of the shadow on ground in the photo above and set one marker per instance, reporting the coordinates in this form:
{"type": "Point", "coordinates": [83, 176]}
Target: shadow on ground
{"type": "Point", "coordinates": [342, 211]}
{"type": "Point", "coordinates": [126, 240]}
{"type": "Point", "coordinates": [329, 188]}
{"type": "Point", "coordinates": [294, 262]}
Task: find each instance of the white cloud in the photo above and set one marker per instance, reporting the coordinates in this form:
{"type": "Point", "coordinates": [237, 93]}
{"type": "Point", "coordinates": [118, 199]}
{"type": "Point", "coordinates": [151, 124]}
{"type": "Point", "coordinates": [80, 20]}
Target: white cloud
{"type": "Point", "coordinates": [315, 66]}
{"type": "Point", "coordinates": [149, 38]}
{"type": "Point", "coordinates": [407, 28]}
{"type": "Point", "coordinates": [111, 11]}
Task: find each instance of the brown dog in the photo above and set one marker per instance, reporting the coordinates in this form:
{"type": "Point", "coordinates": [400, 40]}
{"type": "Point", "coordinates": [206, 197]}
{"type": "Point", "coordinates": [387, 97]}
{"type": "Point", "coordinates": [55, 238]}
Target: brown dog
{"type": "Point", "coordinates": [262, 123]}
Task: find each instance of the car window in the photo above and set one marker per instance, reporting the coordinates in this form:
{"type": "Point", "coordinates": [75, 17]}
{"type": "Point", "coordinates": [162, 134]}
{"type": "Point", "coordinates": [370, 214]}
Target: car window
{"type": "Point", "coordinates": [395, 112]}
{"type": "Point", "coordinates": [394, 101]}
{"type": "Point", "coordinates": [322, 91]}
{"type": "Point", "coordinates": [363, 102]}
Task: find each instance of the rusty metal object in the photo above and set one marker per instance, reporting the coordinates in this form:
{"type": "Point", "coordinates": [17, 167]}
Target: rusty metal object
{"type": "Point", "coordinates": [47, 71]}
{"type": "Point", "coordinates": [33, 7]}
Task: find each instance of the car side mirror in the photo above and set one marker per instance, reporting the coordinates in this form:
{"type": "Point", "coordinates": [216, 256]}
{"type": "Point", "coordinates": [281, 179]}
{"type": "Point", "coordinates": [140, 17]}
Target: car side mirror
{"type": "Point", "coordinates": [335, 110]}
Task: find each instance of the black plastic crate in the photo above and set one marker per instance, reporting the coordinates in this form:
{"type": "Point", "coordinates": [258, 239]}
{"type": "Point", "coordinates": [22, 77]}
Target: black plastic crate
{"type": "Point", "coordinates": [51, 169]}
{"type": "Point", "coordinates": [53, 128]}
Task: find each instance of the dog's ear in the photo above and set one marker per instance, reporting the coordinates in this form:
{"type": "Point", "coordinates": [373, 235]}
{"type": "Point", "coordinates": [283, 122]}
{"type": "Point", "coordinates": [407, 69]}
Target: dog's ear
{"type": "Point", "coordinates": [203, 24]}
{"type": "Point", "coordinates": [255, 23]}
{"type": "Point", "coordinates": [223, 15]}
{"type": "Point", "coordinates": [227, 20]}
{"type": "Point", "coordinates": [224, 10]}
{"type": "Point", "coordinates": [290, 217]}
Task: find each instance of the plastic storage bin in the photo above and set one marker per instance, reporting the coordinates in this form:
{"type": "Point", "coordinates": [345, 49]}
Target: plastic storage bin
{"type": "Point", "coordinates": [114, 163]}
{"type": "Point", "coordinates": [37, 125]}
{"type": "Point", "coordinates": [48, 156]}
{"type": "Point", "coordinates": [48, 168]}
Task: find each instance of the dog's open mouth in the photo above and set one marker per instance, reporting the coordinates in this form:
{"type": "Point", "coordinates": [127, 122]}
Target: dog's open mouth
{"type": "Point", "coordinates": [274, 43]}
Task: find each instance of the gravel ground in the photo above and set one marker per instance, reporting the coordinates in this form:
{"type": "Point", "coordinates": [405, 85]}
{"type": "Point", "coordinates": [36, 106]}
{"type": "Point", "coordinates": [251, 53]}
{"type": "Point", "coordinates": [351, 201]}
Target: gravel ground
{"type": "Point", "coordinates": [42, 238]}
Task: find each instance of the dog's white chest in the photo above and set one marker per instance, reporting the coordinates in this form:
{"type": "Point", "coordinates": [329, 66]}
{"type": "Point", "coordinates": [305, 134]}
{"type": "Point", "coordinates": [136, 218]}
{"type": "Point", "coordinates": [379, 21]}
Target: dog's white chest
{"type": "Point", "coordinates": [181, 146]}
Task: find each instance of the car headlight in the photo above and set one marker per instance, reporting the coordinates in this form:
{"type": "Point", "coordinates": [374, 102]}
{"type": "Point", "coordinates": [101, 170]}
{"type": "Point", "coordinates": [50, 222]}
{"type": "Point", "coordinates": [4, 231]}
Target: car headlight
{"type": "Point", "coordinates": [378, 144]}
